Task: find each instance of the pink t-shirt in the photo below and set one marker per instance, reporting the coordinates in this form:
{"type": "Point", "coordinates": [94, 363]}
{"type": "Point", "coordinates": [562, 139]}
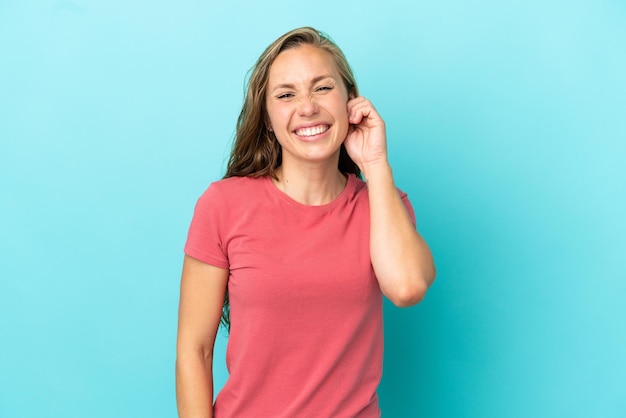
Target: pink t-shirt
{"type": "Point", "coordinates": [306, 336]}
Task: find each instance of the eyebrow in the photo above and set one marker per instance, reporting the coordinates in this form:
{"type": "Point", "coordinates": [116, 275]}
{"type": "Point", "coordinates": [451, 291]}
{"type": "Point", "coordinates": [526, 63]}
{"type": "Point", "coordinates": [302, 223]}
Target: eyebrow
{"type": "Point", "coordinates": [315, 80]}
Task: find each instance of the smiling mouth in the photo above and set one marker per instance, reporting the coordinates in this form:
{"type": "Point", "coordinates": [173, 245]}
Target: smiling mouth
{"type": "Point", "coordinates": [312, 130]}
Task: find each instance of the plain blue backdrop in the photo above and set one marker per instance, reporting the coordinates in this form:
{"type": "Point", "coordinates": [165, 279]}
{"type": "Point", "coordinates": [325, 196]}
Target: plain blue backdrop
{"type": "Point", "coordinates": [506, 126]}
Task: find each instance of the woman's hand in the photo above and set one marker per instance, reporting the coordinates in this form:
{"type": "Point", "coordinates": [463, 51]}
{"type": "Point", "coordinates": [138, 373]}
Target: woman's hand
{"type": "Point", "coordinates": [366, 141]}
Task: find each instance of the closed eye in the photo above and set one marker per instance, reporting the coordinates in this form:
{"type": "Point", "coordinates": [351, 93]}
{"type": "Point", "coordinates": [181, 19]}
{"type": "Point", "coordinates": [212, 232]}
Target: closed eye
{"type": "Point", "coordinates": [324, 88]}
{"type": "Point", "coordinates": [285, 96]}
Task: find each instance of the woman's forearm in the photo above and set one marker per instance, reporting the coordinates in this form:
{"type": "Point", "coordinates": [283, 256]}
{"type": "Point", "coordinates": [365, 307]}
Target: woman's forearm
{"type": "Point", "coordinates": [201, 299]}
{"type": "Point", "coordinates": [194, 385]}
{"type": "Point", "coordinates": [400, 257]}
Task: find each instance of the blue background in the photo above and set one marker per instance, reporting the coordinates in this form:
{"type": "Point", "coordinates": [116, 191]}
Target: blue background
{"type": "Point", "coordinates": [506, 125]}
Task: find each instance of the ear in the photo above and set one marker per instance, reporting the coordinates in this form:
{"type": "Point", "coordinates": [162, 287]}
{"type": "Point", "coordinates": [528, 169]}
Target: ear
{"type": "Point", "coordinates": [351, 93]}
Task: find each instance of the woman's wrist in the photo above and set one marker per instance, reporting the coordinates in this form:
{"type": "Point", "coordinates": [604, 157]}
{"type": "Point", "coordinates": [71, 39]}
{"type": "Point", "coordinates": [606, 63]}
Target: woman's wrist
{"type": "Point", "coordinates": [378, 171]}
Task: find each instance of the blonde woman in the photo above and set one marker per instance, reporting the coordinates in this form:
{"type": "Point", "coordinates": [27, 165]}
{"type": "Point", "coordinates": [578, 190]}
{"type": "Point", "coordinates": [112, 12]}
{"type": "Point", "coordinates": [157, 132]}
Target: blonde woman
{"type": "Point", "coordinates": [292, 251]}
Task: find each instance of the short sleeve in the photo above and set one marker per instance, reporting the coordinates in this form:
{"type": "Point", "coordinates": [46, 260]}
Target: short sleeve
{"type": "Point", "coordinates": [205, 237]}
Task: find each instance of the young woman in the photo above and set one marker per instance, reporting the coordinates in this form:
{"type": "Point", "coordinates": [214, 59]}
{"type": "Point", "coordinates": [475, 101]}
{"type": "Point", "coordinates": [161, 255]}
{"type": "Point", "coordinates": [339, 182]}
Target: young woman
{"type": "Point", "coordinates": [293, 251]}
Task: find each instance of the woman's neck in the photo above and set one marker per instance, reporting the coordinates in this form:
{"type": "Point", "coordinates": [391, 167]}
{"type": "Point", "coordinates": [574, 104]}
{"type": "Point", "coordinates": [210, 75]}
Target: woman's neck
{"type": "Point", "coordinates": [310, 185]}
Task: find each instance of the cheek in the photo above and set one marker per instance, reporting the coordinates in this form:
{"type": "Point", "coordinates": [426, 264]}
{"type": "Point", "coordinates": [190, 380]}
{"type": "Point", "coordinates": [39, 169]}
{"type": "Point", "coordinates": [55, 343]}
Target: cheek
{"type": "Point", "coordinates": [277, 118]}
{"type": "Point", "coordinates": [343, 114]}
{"type": "Point", "coordinates": [342, 125]}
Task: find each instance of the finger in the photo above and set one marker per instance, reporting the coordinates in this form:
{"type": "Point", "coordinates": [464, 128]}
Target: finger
{"type": "Point", "coordinates": [358, 109]}
{"type": "Point", "coordinates": [356, 115]}
{"type": "Point", "coordinates": [357, 101]}
{"type": "Point", "coordinates": [363, 110]}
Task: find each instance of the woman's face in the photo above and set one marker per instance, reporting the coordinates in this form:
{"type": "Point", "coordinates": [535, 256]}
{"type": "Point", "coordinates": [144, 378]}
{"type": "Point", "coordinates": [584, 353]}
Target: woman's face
{"type": "Point", "coordinates": [306, 105]}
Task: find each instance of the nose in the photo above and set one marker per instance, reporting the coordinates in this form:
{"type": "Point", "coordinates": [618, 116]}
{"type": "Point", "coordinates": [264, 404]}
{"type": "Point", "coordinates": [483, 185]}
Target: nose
{"type": "Point", "coordinates": [307, 106]}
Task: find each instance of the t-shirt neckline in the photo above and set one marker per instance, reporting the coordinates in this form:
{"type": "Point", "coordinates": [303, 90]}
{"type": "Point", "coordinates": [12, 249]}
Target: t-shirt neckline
{"type": "Point", "coordinates": [347, 191]}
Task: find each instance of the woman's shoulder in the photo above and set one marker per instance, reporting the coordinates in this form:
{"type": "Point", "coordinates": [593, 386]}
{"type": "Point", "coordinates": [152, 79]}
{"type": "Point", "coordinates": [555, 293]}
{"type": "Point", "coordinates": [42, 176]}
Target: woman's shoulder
{"type": "Point", "coordinates": [237, 182]}
{"type": "Point", "coordinates": [234, 187]}
{"type": "Point", "coordinates": [359, 185]}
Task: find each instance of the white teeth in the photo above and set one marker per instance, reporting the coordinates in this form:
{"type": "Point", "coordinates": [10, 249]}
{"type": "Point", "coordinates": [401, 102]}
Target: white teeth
{"type": "Point", "coordinates": [314, 130]}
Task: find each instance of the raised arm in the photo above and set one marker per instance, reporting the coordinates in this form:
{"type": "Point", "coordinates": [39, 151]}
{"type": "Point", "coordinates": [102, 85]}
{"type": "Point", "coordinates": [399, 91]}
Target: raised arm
{"type": "Point", "coordinates": [400, 257]}
{"type": "Point", "coordinates": [201, 298]}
